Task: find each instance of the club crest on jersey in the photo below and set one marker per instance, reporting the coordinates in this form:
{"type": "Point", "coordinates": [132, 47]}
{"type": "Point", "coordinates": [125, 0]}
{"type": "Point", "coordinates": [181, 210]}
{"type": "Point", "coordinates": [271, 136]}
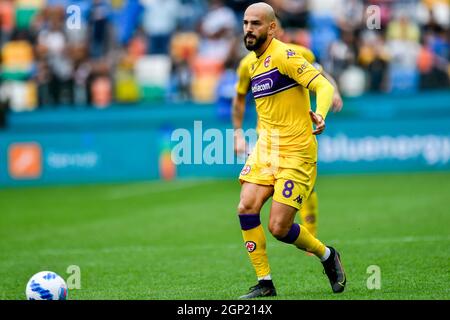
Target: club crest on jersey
{"type": "Point", "coordinates": [290, 53]}
{"type": "Point", "coordinates": [246, 170]}
{"type": "Point", "coordinates": [267, 62]}
{"type": "Point", "coordinates": [250, 245]}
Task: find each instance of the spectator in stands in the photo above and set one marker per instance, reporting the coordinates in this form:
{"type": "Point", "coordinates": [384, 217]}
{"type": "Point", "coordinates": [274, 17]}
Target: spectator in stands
{"type": "Point", "coordinates": [52, 47]}
{"type": "Point", "coordinates": [82, 71]}
{"type": "Point", "coordinates": [218, 30]}
{"type": "Point", "coordinates": [433, 60]}
{"type": "Point", "coordinates": [431, 12]}
{"type": "Point", "coordinates": [341, 54]}
{"type": "Point", "coordinates": [293, 13]}
{"type": "Point", "coordinates": [402, 37]}
{"type": "Point", "coordinates": [159, 22]}
{"type": "Point", "coordinates": [3, 109]}
{"type": "Point", "coordinates": [190, 14]}
{"type": "Point", "coordinates": [239, 6]}
{"type": "Point", "coordinates": [349, 15]}
{"type": "Point", "coordinates": [373, 57]}
{"type": "Point", "coordinates": [100, 29]}
{"type": "Point", "coordinates": [7, 20]}
{"type": "Point", "coordinates": [42, 79]}
{"type": "Point", "coordinates": [78, 66]}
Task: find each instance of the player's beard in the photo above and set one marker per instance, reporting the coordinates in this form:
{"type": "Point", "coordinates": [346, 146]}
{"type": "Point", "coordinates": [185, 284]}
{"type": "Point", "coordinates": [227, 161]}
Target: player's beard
{"type": "Point", "coordinates": [257, 44]}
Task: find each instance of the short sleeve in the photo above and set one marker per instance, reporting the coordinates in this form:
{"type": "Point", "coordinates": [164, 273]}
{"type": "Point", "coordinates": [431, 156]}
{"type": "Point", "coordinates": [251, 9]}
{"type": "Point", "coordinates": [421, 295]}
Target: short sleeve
{"type": "Point", "coordinates": [243, 75]}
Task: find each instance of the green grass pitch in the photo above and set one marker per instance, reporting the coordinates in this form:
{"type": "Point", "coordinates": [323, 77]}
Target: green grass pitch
{"type": "Point", "coordinates": [181, 240]}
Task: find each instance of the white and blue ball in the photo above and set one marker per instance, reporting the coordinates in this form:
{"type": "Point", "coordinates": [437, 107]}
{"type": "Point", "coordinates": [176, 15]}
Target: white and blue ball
{"type": "Point", "coordinates": [46, 285]}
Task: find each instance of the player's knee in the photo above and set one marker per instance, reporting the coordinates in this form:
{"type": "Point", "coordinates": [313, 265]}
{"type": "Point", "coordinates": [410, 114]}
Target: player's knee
{"type": "Point", "coordinates": [279, 231]}
{"type": "Point", "coordinates": [246, 207]}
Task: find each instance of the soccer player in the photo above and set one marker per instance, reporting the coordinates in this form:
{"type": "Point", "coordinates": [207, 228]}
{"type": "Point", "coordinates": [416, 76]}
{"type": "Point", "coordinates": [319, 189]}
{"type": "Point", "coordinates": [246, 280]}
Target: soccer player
{"type": "Point", "coordinates": [283, 162]}
{"type": "Point", "coordinates": [308, 213]}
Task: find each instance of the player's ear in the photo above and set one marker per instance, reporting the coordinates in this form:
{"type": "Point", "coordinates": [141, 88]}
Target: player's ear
{"type": "Point", "coordinates": [272, 28]}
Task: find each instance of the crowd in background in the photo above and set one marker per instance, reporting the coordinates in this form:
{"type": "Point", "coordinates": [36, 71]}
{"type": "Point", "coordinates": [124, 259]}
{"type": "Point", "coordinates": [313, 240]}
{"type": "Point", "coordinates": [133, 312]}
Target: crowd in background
{"type": "Point", "coordinates": [100, 52]}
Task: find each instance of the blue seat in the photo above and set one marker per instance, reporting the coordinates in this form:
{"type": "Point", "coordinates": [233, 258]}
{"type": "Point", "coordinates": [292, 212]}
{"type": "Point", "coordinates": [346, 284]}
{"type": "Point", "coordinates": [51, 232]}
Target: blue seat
{"type": "Point", "coordinates": [403, 80]}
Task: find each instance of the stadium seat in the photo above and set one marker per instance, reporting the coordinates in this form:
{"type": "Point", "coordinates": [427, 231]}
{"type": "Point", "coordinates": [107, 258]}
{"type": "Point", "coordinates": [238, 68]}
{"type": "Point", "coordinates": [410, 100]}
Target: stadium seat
{"type": "Point", "coordinates": [17, 58]}
{"type": "Point", "coordinates": [21, 94]}
{"type": "Point", "coordinates": [184, 46]}
{"type": "Point", "coordinates": [403, 80]}
{"type": "Point", "coordinates": [225, 91]}
{"type": "Point", "coordinates": [352, 81]}
{"type": "Point", "coordinates": [204, 88]}
{"type": "Point", "coordinates": [153, 75]}
{"type": "Point", "coordinates": [127, 89]}
{"type": "Point", "coordinates": [207, 67]}
{"type": "Point", "coordinates": [321, 38]}
{"type": "Point", "coordinates": [207, 73]}
{"type": "Point", "coordinates": [151, 93]}
{"type": "Point", "coordinates": [321, 21]}
{"type": "Point", "coordinates": [25, 15]}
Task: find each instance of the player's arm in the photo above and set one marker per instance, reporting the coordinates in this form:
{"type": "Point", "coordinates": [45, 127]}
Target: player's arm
{"type": "Point", "coordinates": [299, 69]}
{"type": "Point", "coordinates": [310, 57]}
{"type": "Point", "coordinates": [237, 113]}
{"type": "Point", "coordinates": [238, 110]}
{"type": "Point", "coordinates": [238, 106]}
{"type": "Point", "coordinates": [324, 93]}
{"type": "Point", "coordinates": [337, 99]}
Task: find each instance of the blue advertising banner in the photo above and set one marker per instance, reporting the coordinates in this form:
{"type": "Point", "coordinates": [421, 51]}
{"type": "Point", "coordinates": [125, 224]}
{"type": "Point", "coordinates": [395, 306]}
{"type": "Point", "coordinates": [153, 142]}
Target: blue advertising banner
{"type": "Point", "coordinates": [78, 157]}
{"type": "Point", "coordinates": [385, 146]}
{"type": "Point", "coordinates": [372, 134]}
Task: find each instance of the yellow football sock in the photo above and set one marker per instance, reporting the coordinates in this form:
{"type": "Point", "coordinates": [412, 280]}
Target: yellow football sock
{"type": "Point", "coordinates": [255, 243]}
{"type": "Point", "coordinates": [306, 241]}
{"type": "Point", "coordinates": [309, 213]}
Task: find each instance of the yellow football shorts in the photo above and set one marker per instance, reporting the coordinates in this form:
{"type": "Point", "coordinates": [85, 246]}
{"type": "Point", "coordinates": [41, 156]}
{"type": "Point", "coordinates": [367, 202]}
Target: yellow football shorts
{"type": "Point", "coordinates": [293, 179]}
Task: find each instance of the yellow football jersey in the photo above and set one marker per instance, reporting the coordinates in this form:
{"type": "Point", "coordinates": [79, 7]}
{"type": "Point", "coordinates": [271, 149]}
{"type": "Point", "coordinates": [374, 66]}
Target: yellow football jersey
{"type": "Point", "coordinates": [280, 80]}
{"type": "Point", "coordinates": [243, 83]}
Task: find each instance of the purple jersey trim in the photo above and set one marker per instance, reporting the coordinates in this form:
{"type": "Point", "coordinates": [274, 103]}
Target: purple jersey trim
{"type": "Point", "coordinates": [271, 82]}
{"type": "Point", "coordinates": [312, 80]}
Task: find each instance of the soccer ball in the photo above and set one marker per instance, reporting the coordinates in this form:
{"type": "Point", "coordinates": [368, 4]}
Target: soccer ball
{"type": "Point", "coordinates": [46, 285]}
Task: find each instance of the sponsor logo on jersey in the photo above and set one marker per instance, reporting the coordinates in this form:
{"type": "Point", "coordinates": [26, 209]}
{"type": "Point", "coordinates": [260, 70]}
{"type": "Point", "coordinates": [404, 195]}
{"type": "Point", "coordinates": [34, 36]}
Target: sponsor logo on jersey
{"type": "Point", "coordinates": [262, 85]}
{"type": "Point", "coordinates": [302, 67]}
{"type": "Point", "coordinates": [270, 82]}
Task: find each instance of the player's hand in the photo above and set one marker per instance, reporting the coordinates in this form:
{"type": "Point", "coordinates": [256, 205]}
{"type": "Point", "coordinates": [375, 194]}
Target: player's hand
{"type": "Point", "coordinates": [318, 121]}
{"type": "Point", "coordinates": [240, 145]}
{"type": "Point", "coordinates": [337, 102]}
